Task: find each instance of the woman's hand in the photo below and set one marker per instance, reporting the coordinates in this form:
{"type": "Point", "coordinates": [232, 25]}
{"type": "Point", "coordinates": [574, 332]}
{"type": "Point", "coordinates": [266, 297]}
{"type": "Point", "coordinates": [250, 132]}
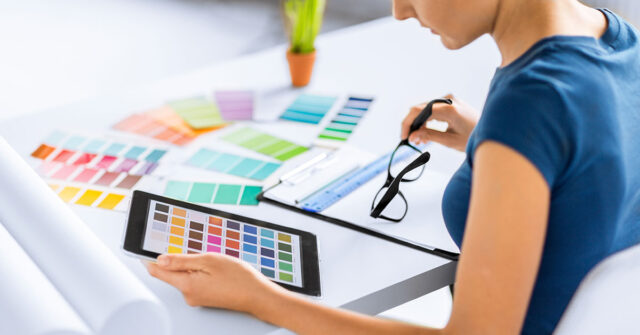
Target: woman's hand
{"type": "Point", "coordinates": [215, 280]}
{"type": "Point", "coordinates": [460, 117]}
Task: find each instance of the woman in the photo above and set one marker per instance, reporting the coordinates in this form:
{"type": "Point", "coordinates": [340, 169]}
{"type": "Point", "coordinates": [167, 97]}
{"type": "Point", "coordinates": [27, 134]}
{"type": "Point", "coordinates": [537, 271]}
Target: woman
{"type": "Point", "coordinates": [550, 186]}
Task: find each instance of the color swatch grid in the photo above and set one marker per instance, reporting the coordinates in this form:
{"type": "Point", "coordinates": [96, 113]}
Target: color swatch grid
{"type": "Point", "coordinates": [308, 108]}
{"type": "Point", "coordinates": [90, 197]}
{"type": "Point", "coordinates": [235, 105]}
{"type": "Point", "coordinates": [162, 124]}
{"type": "Point", "coordinates": [232, 164]}
{"type": "Point", "coordinates": [198, 112]}
{"type": "Point", "coordinates": [172, 229]}
{"type": "Point", "coordinates": [264, 143]}
{"type": "Point", "coordinates": [342, 125]}
{"type": "Point", "coordinates": [100, 154]}
{"type": "Point", "coordinates": [209, 193]}
{"type": "Point", "coordinates": [88, 175]}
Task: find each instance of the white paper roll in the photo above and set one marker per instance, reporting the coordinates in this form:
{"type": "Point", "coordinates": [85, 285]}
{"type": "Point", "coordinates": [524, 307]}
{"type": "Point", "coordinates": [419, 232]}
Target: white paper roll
{"type": "Point", "coordinates": [108, 297]}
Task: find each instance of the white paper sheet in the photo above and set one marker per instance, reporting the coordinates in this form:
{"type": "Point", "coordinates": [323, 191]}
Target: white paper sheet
{"type": "Point", "coordinates": [30, 303]}
{"type": "Point", "coordinates": [108, 297]}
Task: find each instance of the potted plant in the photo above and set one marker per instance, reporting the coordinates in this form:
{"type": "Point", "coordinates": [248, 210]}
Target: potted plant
{"type": "Point", "coordinates": [303, 19]}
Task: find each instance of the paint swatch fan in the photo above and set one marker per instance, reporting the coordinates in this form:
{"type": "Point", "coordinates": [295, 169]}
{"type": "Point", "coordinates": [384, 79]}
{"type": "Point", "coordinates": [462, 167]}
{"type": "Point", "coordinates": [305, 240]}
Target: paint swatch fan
{"type": "Point", "coordinates": [56, 274]}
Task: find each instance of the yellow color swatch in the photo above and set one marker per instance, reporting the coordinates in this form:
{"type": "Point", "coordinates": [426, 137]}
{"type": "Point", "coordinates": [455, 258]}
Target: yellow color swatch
{"type": "Point", "coordinates": [176, 240]}
{"type": "Point", "coordinates": [179, 212]}
{"type": "Point", "coordinates": [284, 237]}
{"type": "Point", "coordinates": [54, 187]}
{"type": "Point", "coordinates": [89, 197]}
{"type": "Point", "coordinates": [177, 221]}
{"type": "Point", "coordinates": [68, 193]}
{"type": "Point", "coordinates": [174, 250]}
{"type": "Point", "coordinates": [111, 201]}
{"type": "Point", "coordinates": [177, 231]}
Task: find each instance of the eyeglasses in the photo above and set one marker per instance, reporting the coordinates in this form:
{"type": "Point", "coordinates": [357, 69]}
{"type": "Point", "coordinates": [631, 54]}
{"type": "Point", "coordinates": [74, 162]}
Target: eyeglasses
{"type": "Point", "coordinates": [397, 173]}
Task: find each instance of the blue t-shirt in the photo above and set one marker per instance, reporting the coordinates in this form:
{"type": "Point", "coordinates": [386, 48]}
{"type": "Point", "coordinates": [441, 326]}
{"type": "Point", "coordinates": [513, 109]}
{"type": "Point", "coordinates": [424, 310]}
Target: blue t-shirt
{"type": "Point", "coordinates": [571, 106]}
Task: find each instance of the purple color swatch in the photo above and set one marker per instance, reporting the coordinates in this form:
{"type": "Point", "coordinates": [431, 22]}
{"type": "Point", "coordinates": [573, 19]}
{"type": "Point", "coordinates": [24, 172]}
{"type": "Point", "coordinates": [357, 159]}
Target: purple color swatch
{"type": "Point", "coordinates": [235, 105]}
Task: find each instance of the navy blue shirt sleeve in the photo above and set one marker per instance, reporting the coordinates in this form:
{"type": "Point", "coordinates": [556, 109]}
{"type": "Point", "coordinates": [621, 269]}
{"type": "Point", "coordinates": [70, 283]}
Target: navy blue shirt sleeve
{"type": "Point", "coordinates": [529, 117]}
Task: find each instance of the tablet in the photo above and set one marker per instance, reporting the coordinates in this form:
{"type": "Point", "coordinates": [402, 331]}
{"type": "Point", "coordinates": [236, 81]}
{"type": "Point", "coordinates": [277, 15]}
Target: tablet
{"type": "Point", "coordinates": [158, 225]}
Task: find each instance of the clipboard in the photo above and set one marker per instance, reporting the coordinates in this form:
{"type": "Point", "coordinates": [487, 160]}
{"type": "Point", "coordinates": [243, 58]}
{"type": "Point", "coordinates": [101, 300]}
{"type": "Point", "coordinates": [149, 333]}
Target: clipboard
{"type": "Point", "coordinates": [325, 178]}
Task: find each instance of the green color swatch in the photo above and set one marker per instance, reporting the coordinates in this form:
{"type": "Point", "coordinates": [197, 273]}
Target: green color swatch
{"type": "Point", "coordinates": [198, 112]}
{"type": "Point", "coordinates": [285, 266]}
{"type": "Point", "coordinates": [211, 193]}
{"type": "Point", "coordinates": [264, 143]}
{"type": "Point", "coordinates": [285, 257]}
{"type": "Point", "coordinates": [285, 276]}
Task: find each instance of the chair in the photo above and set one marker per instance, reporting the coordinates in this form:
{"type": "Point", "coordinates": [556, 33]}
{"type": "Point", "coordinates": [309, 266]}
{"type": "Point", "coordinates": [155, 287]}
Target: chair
{"type": "Point", "coordinates": [608, 298]}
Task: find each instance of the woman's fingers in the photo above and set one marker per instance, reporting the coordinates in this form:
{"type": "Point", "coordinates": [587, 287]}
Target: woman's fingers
{"type": "Point", "coordinates": [174, 278]}
{"type": "Point", "coordinates": [424, 135]}
{"type": "Point", "coordinates": [182, 262]}
{"type": "Point", "coordinates": [408, 120]}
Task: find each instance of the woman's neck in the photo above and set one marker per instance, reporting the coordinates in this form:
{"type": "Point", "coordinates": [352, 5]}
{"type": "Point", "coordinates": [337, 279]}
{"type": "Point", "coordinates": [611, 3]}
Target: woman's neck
{"type": "Point", "coordinates": [520, 24]}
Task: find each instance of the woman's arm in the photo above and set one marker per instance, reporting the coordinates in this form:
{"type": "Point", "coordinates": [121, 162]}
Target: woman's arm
{"type": "Point", "coordinates": [500, 257]}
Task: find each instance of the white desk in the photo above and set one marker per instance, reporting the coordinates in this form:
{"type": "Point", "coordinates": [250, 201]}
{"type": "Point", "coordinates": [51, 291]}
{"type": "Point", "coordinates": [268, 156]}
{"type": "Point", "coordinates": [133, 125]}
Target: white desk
{"type": "Point", "coordinates": [399, 64]}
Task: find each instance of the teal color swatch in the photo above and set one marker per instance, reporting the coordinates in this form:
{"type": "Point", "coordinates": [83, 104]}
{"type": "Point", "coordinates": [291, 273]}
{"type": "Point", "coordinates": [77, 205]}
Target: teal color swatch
{"type": "Point", "coordinates": [155, 155]}
{"type": "Point", "coordinates": [93, 147]}
{"type": "Point", "coordinates": [74, 142]}
{"type": "Point", "coordinates": [177, 189]}
{"type": "Point", "coordinates": [211, 193]}
{"type": "Point", "coordinates": [308, 108]}
{"type": "Point", "coordinates": [134, 152]}
{"type": "Point", "coordinates": [228, 194]}
{"type": "Point", "coordinates": [232, 164]}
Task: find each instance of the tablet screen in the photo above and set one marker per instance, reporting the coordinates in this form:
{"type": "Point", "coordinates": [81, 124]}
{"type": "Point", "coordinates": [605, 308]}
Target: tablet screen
{"type": "Point", "coordinates": [174, 229]}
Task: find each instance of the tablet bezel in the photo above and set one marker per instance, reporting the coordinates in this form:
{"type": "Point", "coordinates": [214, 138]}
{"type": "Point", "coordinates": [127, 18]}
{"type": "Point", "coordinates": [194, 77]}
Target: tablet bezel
{"type": "Point", "coordinates": [136, 227]}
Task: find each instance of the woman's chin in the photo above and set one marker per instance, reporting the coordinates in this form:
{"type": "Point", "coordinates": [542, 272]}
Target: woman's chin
{"type": "Point", "coordinates": [450, 44]}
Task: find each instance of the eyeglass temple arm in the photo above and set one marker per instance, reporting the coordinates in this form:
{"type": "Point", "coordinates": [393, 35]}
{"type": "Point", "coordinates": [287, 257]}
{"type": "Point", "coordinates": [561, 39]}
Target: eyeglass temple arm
{"type": "Point", "coordinates": [395, 184]}
{"type": "Point", "coordinates": [426, 112]}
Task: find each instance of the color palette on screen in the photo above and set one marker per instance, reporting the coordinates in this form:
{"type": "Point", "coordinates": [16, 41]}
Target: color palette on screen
{"type": "Point", "coordinates": [172, 229]}
{"type": "Point", "coordinates": [162, 124]}
{"type": "Point", "coordinates": [235, 105]}
{"type": "Point", "coordinates": [343, 124]}
{"type": "Point", "coordinates": [308, 108]}
{"type": "Point", "coordinates": [197, 112]}
{"type": "Point", "coordinates": [232, 164]}
{"type": "Point", "coordinates": [264, 143]}
{"type": "Point", "coordinates": [210, 193]}
{"type": "Point", "coordinates": [90, 197]}
{"type": "Point", "coordinates": [88, 175]}
{"type": "Point", "coordinates": [97, 153]}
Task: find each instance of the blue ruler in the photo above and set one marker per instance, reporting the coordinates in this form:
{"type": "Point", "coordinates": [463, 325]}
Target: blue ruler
{"type": "Point", "coordinates": [341, 187]}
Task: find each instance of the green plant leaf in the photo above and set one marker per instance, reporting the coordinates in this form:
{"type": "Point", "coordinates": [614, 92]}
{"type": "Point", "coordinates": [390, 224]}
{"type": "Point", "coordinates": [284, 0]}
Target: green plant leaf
{"type": "Point", "coordinates": [303, 20]}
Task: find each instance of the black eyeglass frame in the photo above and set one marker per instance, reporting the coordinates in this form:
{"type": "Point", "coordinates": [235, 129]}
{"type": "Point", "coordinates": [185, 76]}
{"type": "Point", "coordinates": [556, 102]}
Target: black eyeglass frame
{"type": "Point", "coordinates": [392, 184]}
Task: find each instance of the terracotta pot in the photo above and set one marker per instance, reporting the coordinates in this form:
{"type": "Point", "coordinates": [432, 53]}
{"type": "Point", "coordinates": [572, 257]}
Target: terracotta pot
{"type": "Point", "coordinates": [301, 67]}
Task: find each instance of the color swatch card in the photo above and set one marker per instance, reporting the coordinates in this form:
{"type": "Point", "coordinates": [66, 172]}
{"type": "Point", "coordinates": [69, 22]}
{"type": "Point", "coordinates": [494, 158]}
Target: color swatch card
{"type": "Point", "coordinates": [264, 143]}
{"type": "Point", "coordinates": [88, 175]}
{"type": "Point", "coordinates": [99, 154]}
{"type": "Point", "coordinates": [232, 164]}
{"type": "Point", "coordinates": [235, 105]}
{"type": "Point", "coordinates": [343, 124]}
{"type": "Point", "coordinates": [162, 124]}
{"type": "Point", "coordinates": [308, 108]}
{"type": "Point", "coordinates": [172, 229]}
{"type": "Point", "coordinates": [210, 193]}
{"type": "Point", "coordinates": [90, 196]}
{"type": "Point", "coordinates": [198, 112]}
